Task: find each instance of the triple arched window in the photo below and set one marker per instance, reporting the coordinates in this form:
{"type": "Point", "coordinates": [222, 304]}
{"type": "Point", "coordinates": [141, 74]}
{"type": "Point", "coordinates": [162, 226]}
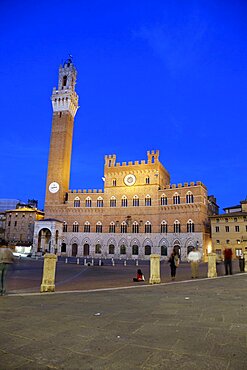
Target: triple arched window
{"type": "Point", "coordinates": [135, 201]}
{"type": "Point", "coordinates": [77, 202]}
{"type": "Point", "coordinates": [100, 202]}
{"type": "Point", "coordinates": [148, 200]}
{"type": "Point", "coordinates": [189, 197]}
{"type": "Point", "coordinates": [87, 227]}
{"type": "Point", "coordinates": [190, 226]}
{"type": "Point", "coordinates": [75, 227]}
{"type": "Point", "coordinates": [112, 227]}
{"type": "Point", "coordinates": [176, 227]}
{"type": "Point", "coordinates": [99, 227]}
{"type": "Point", "coordinates": [176, 198]}
{"type": "Point", "coordinates": [113, 202]}
{"type": "Point", "coordinates": [124, 227]}
{"type": "Point", "coordinates": [163, 227]}
{"type": "Point", "coordinates": [124, 202]}
{"type": "Point", "coordinates": [88, 202]}
{"type": "Point", "coordinates": [163, 200]}
{"type": "Point", "coordinates": [135, 227]}
{"type": "Point", "coordinates": [148, 227]}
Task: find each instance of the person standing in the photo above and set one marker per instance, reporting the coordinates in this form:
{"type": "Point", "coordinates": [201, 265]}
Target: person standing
{"type": "Point", "coordinates": [6, 258]}
{"type": "Point", "coordinates": [228, 261]}
{"type": "Point", "coordinates": [174, 262]}
{"type": "Point", "coordinates": [194, 257]}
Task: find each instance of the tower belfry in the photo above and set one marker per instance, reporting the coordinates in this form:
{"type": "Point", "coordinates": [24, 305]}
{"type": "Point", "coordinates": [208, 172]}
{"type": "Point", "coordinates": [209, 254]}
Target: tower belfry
{"type": "Point", "coordinates": [65, 105]}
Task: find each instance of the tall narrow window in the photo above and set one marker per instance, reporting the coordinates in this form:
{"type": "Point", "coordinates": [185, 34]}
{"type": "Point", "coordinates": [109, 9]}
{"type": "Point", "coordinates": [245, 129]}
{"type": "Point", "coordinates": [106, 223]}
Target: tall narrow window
{"type": "Point", "coordinates": [189, 197]}
{"type": "Point", "coordinates": [87, 227]}
{"type": "Point", "coordinates": [147, 250]}
{"type": "Point", "coordinates": [112, 227]}
{"type": "Point", "coordinates": [190, 226]}
{"type": "Point", "coordinates": [147, 180]}
{"type": "Point", "coordinates": [75, 227]}
{"type": "Point", "coordinates": [135, 250]}
{"type": "Point", "coordinates": [135, 201]}
{"type": "Point", "coordinates": [111, 249]}
{"type": "Point", "coordinates": [113, 202]}
{"type": "Point", "coordinates": [176, 199]}
{"type": "Point", "coordinates": [124, 202]}
{"type": "Point", "coordinates": [65, 227]}
{"type": "Point", "coordinates": [64, 81]}
{"type": "Point", "coordinates": [163, 227]}
{"type": "Point", "coordinates": [124, 227]}
{"type": "Point", "coordinates": [148, 200]}
{"type": "Point", "coordinates": [77, 202]}
{"type": "Point", "coordinates": [114, 182]}
{"type": "Point", "coordinates": [88, 202]}
{"type": "Point", "coordinates": [135, 228]}
{"type": "Point", "coordinates": [99, 227]}
{"type": "Point", "coordinates": [163, 200]}
{"type": "Point", "coordinates": [176, 227]}
{"type": "Point", "coordinates": [148, 227]}
{"type": "Point", "coordinates": [100, 202]}
{"type": "Point", "coordinates": [122, 249]}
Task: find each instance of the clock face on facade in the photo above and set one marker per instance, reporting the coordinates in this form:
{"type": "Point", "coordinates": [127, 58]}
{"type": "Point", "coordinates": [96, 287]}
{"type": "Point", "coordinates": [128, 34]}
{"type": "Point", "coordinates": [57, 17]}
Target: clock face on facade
{"type": "Point", "coordinates": [129, 180]}
{"type": "Point", "coordinates": [53, 187]}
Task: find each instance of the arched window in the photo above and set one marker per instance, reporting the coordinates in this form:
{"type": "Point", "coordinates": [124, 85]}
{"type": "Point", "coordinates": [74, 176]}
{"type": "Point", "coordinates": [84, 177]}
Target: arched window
{"type": "Point", "coordinates": [87, 227]}
{"type": "Point", "coordinates": [113, 202]}
{"type": "Point", "coordinates": [135, 227]}
{"type": "Point", "coordinates": [135, 201]}
{"type": "Point", "coordinates": [163, 200]}
{"type": "Point", "coordinates": [88, 202]}
{"type": "Point", "coordinates": [65, 227]}
{"type": "Point", "coordinates": [135, 250]}
{"type": "Point", "coordinates": [75, 227]}
{"type": "Point", "coordinates": [163, 250]}
{"type": "Point", "coordinates": [176, 198]}
{"type": "Point", "coordinates": [147, 250]}
{"type": "Point", "coordinates": [176, 227]}
{"type": "Point", "coordinates": [190, 226]}
{"type": "Point", "coordinates": [100, 202]}
{"type": "Point", "coordinates": [189, 197]}
{"type": "Point", "coordinates": [122, 249]}
{"type": "Point", "coordinates": [77, 202]}
{"type": "Point", "coordinates": [148, 227]}
{"type": "Point", "coordinates": [163, 227]}
{"type": "Point", "coordinates": [99, 227]}
{"type": "Point", "coordinates": [124, 227]}
{"type": "Point", "coordinates": [111, 249]}
{"type": "Point", "coordinates": [97, 248]}
{"type": "Point", "coordinates": [63, 248]}
{"type": "Point", "coordinates": [148, 200]}
{"type": "Point", "coordinates": [124, 202]}
{"type": "Point", "coordinates": [147, 180]}
{"type": "Point", "coordinates": [112, 227]}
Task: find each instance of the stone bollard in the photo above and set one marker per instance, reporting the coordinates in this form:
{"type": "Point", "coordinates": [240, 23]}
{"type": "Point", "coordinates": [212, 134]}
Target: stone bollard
{"type": "Point", "coordinates": [125, 263]}
{"type": "Point", "coordinates": [85, 261]}
{"type": "Point", "coordinates": [99, 262]}
{"type": "Point", "coordinates": [66, 260]}
{"type": "Point", "coordinates": [113, 263]}
{"type": "Point", "coordinates": [92, 262]}
{"type": "Point", "coordinates": [78, 261]}
{"type": "Point", "coordinates": [212, 265]}
{"type": "Point", "coordinates": [137, 263]}
{"type": "Point", "coordinates": [49, 271]}
{"type": "Point", "coordinates": [154, 269]}
{"type": "Point", "coordinates": [245, 261]}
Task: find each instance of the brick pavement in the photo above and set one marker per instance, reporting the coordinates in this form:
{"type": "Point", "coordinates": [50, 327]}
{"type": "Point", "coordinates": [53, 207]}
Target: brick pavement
{"type": "Point", "coordinates": [198, 324]}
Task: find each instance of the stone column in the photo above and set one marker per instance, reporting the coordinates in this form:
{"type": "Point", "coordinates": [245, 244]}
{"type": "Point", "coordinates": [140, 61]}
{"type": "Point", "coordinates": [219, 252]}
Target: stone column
{"type": "Point", "coordinates": [212, 265]}
{"type": "Point", "coordinates": [49, 271]}
{"type": "Point", "coordinates": [245, 261]}
{"type": "Point", "coordinates": [154, 269]}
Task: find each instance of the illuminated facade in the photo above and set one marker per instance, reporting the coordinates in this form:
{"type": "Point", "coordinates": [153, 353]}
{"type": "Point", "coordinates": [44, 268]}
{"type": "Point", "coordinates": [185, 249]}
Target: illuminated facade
{"type": "Point", "coordinates": [137, 213]}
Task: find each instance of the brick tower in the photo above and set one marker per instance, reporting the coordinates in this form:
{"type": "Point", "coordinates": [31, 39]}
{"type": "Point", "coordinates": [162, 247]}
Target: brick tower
{"type": "Point", "coordinates": [65, 105]}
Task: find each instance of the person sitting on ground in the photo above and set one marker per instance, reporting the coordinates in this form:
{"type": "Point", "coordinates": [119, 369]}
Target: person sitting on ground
{"type": "Point", "coordinates": [139, 276]}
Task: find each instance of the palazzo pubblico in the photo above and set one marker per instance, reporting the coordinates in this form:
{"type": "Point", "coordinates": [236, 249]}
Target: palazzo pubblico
{"type": "Point", "coordinates": [138, 212]}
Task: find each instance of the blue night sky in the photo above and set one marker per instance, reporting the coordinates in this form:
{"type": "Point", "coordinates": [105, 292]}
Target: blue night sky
{"type": "Point", "coordinates": [167, 75]}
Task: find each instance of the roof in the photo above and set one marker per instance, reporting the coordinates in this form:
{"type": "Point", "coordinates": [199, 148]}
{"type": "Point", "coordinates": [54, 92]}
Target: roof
{"type": "Point", "coordinates": [228, 215]}
{"type": "Point", "coordinates": [24, 209]}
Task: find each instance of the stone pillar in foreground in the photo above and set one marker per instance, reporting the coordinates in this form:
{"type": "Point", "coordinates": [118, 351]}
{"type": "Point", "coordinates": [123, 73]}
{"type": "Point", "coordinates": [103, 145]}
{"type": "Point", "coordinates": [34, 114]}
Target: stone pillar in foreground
{"type": "Point", "coordinates": [212, 265]}
{"type": "Point", "coordinates": [49, 271]}
{"type": "Point", "coordinates": [154, 269]}
{"type": "Point", "coordinates": [245, 261]}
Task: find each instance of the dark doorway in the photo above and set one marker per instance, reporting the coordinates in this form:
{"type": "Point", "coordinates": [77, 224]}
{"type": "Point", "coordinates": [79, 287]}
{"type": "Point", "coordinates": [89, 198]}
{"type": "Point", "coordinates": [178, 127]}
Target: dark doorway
{"type": "Point", "coordinates": [74, 249]}
{"type": "Point", "coordinates": [86, 250]}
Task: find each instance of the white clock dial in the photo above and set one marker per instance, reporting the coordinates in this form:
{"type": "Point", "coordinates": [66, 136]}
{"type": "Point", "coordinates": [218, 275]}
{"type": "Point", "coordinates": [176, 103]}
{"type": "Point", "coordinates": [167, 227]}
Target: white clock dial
{"type": "Point", "coordinates": [53, 187]}
{"type": "Point", "coordinates": [129, 180]}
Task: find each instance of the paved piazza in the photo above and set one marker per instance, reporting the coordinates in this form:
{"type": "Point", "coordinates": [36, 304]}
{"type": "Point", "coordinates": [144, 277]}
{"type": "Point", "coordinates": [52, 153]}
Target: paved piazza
{"type": "Point", "coordinates": [191, 324]}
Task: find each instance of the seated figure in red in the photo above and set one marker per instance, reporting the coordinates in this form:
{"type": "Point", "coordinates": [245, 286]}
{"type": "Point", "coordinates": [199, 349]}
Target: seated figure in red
{"type": "Point", "coordinates": [139, 276]}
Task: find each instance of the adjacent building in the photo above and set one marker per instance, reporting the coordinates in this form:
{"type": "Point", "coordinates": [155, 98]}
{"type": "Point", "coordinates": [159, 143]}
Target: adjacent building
{"type": "Point", "coordinates": [138, 212]}
{"type": "Point", "coordinates": [229, 230]}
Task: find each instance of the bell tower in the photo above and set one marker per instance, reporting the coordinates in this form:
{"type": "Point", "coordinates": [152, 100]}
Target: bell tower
{"type": "Point", "coordinates": [65, 105]}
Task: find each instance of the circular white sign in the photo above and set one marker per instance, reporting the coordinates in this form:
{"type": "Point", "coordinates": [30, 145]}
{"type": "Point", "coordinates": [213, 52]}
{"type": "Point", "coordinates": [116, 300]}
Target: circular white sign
{"type": "Point", "coordinates": [53, 187]}
{"type": "Point", "coordinates": [129, 180]}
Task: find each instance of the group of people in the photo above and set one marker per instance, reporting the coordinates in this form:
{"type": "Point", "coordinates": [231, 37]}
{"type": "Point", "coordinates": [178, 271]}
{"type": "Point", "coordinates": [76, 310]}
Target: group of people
{"type": "Point", "coordinates": [194, 257]}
